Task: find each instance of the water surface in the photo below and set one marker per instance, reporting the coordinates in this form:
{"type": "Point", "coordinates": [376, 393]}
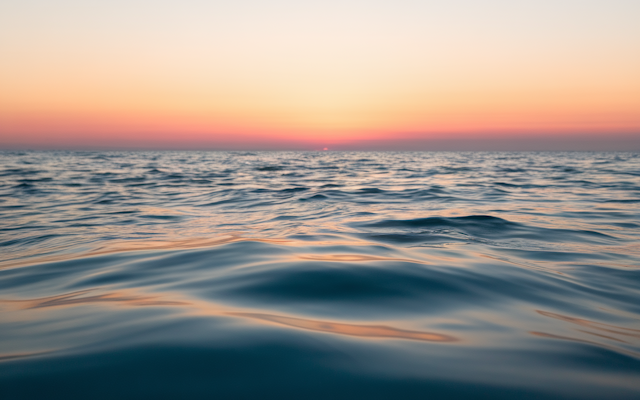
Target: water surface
{"type": "Point", "coordinates": [319, 275]}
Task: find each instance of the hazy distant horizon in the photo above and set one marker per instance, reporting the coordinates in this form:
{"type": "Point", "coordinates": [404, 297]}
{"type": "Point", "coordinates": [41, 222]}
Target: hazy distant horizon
{"type": "Point", "coordinates": [629, 142]}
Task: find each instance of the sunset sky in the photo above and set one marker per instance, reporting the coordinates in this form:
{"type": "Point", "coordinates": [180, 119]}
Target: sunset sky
{"type": "Point", "coordinates": [342, 74]}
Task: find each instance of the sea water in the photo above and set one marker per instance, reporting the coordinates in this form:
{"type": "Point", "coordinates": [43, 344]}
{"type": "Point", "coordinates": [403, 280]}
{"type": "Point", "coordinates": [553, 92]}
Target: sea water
{"type": "Point", "coordinates": [319, 275]}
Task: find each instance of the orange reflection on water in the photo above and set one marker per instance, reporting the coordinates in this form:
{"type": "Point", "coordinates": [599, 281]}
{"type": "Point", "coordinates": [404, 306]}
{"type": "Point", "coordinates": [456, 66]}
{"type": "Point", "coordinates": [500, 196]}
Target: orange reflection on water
{"type": "Point", "coordinates": [204, 308]}
{"type": "Point", "coordinates": [603, 331]}
{"type": "Point", "coordinates": [359, 257]}
{"type": "Point", "coordinates": [618, 330]}
{"type": "Point", "coordinates": [369, 331]}
{"type": "Point", "coordinates": [146, 245]}
{"type": "Point", "coordinates": [75, 298]}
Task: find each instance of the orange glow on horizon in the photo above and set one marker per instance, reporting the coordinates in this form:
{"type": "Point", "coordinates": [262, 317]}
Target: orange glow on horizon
{"type": "Point", "coordinates": [314, 74]}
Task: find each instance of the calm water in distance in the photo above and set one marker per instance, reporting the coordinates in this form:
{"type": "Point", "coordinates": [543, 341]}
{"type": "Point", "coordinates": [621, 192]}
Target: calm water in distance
{"type": "Point", "coordinates": [319, 275]}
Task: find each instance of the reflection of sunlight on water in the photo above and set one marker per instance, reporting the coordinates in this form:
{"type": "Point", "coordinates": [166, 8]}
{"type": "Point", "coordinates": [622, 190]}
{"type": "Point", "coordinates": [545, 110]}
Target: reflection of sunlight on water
{"type": "Point", "coordinates": [137, 245]}
{"type": "Point", "coordinates": [129, 298]}
{"type": "Point", "coordinates": [358, 258]}
{"type": "Point", "coordinates": [433, 263]}
{"type": "Point", "coordinates": [608, 332]}
{"type": "Point", "coordinates": [367, 331]}
{"type": "Point", "coordinates": [74, 298]}
{"type": "Point", "coordinates": [634, 333]}
{"type": "Point", "coordinates": [122, 246]}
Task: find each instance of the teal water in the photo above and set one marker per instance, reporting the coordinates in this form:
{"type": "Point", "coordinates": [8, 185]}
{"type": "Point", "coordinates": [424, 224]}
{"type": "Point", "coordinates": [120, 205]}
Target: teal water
{"type": "Point", "coordinates": [242, 275]}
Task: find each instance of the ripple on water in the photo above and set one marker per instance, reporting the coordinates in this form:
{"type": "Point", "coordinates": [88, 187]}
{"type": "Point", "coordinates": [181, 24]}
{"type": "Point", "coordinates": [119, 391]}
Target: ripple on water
{"type": "Point", "coordinates": [319, 275]}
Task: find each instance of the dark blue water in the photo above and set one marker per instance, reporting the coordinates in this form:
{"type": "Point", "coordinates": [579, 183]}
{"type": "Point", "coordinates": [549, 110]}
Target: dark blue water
{"type": "Point", "coordinates": [235, 275]}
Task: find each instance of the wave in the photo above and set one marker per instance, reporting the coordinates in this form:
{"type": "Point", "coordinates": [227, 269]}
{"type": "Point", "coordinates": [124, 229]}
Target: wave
{"type": "Point", "coordinates": [320, 274]}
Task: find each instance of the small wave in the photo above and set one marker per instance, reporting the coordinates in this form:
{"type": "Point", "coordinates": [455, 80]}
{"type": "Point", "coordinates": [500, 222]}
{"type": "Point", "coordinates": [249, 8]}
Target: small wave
{"type": "Point", "coordinates": [326, 274]}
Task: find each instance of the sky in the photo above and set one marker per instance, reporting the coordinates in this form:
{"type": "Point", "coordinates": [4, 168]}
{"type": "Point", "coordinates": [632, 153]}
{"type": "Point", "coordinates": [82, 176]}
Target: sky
{"type": "Point", "coordinates": [309, 75]}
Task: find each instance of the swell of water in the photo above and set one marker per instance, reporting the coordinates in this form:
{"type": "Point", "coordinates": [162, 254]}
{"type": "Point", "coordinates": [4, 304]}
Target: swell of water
{"type": "Point", "coordinates": [319, 275]}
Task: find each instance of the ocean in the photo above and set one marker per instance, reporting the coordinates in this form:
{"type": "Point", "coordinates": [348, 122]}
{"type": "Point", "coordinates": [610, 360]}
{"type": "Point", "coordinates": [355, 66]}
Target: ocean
{"type": "Point", "coordinates": [319, 275]}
